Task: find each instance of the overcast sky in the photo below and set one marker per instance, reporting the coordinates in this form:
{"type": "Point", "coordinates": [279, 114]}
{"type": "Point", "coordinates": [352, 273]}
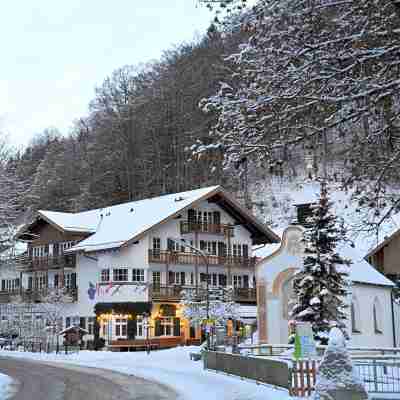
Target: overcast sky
{"type": "Point", "coordinates": [54, 52]}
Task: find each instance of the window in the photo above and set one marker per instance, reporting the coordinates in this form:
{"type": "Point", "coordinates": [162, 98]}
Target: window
{"type": "Point", "coordinates": [139, 327]}
{"type": "Point", "coordinates": [174, 246]}
{"type": "Point", "coordinates": [65, 246]}
{"type": "Point", "coordinates": [192, 278]}
{"type": "Point", "coordinates": [120, 275]}
{"type": "Point", "coordinates": [156, 247]}
{"type": "Point", "coordinates": [121, 328]}
{"type": "Point", "coordinates": [156, 278]}
{"type": "Point", "coordinates": [209, 247]}
{"type": "Point", "coordinates": [41, 281]}
{"type": "Point", "coordinates": [138, 275]}
{"type": "Point", "coordinates": [176, 278]}
{"type": "Point", "coordinates": [222, 280]}
{"type": "Point", "coordinates": [40, 251]}
{"type": "Point", "coordinates": [237, 281]}
{"type": "Point", "coordinates": [105, 275]}
{"type": "Point", "coordinates": [377, 315]}
{"type": "Point", "coordinates": [214, 280]}
{"type": "Point", "coordinates": [167, 325]}
{"type": "Point", "coordinates": [67, 322]}
{"type": "Point", "coordinates": [355, 316]}
{"type": "Point", "coordinates": [90, 325]}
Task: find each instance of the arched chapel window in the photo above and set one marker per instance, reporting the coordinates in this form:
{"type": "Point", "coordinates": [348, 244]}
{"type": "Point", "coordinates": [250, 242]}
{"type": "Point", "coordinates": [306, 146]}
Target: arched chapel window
{"type": "Point", "coordinates": [355, 316]}
{"type": "Point", "coordinates": [377, 316]}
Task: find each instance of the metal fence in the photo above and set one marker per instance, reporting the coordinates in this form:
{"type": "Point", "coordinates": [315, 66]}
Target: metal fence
{"type": "Point", "coordinates": [380, 375]}
{"type": "Point", "coordinates": [263, 370]}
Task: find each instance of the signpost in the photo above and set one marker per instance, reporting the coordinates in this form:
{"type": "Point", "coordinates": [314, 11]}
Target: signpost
{"type": "Point", "coordinates": [304, 345]}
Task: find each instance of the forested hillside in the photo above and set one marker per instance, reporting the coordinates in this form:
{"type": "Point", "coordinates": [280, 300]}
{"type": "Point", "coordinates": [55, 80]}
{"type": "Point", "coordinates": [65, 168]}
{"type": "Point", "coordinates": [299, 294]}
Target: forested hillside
{"type": "Point", "coordinates": [288, 88]}
{"type": "Point", "coordinates": [135, 141]}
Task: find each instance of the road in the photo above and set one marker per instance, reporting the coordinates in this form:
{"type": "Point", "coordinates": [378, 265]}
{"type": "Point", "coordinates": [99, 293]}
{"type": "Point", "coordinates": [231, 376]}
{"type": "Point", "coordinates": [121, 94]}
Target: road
{"type": "Point", "coordinates": [51, 381]}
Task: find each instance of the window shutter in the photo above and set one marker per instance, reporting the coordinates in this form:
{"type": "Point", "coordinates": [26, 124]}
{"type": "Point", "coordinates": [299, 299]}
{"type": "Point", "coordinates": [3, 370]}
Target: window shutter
{"type": "Point", "coordinates": [183, 278]}
{"type": "Point", "coordinates": [170, 244]}
{"type": "Point", "coordinates": [222, 280]}
{"type": "Point", "coordinates": [132, 328]}
{"type": "Point", "coordinates": [202, 245]}
{"type": "Point", "coordinates": [192, 332]}
{"type": "Point", "coordinates": [67, 322]}
{"type": "Point", "coordinates": [73, 280]}
{"type": "Point", "coordinates": [171, 277]}
{"type": "Point", "coordinates": [3, 285]}
{"type": "Point", "coordinates": [221, 249]}
{"type": "Point", "coordinates": [55, 249]}
{"type": "Point", "coordinates": [191, 215]}
{"type": "Point", "coordinates": [245, 250]}
{"type": "Point", "coordinates": [177, 327]}
{"type": "Point", "coordinates": [216, 217]}
{"type": "Point", "coordinates": [30, 283]}
{"type": "Point", "coordinates": [30, 252]}
{"type": "Point", "coordinates": [17, 282]}
{"type": "Point", "coordinates": [202, 277]}
{"type": "Point", "coordinates": [157, 327]}
{"type": "Point", "coordinates": [82, 322]}
{"type": "Point", "coordinates": [245, 281]}
{"type": "Point", "coordinates": [56, 280]}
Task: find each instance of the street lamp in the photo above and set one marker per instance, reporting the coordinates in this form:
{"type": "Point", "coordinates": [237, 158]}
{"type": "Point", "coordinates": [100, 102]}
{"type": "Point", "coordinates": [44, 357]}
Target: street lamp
{"type": "Point", "coordinates": [205, 258]}
{"type": "Point", "coordinates": [146, 327]}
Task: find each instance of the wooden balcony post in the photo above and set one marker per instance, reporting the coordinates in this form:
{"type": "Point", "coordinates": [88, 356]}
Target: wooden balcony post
{"type": "Point", "coordinates": [196, 267]}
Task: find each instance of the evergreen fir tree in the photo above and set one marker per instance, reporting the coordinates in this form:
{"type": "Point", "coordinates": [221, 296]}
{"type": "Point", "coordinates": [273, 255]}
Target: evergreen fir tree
{"type": "Point", "coordinates": [322, 284]}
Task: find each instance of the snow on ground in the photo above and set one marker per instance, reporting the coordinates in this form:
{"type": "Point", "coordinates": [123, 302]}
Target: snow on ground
{"type": "Point", "coordinates": [6, 390]}
{"type": "Point", "coordinates": [170, 367]}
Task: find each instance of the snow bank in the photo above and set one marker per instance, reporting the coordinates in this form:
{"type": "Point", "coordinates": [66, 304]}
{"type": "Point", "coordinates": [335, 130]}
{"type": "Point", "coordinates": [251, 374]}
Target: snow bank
{"type": "Point", "coordinates": [170, 367]}
{"type": "Point", "coordinates": [6, 387]}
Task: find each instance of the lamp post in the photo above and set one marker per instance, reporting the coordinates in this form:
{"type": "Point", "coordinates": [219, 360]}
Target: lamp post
{"type": "Point", "coordinates": [146, 327]}
{"type": "Point", "coordinates": [205, 258]}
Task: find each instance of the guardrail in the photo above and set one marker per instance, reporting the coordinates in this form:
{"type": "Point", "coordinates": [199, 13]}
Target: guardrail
{"type": "Point", "coordinates": [29, 263]}
{"type": "Point", "coordinates": [174, 293]}
{"type": "Point", "coordinates": [272, 372]}
{"type": "Point", "coordinates": [272, 350]}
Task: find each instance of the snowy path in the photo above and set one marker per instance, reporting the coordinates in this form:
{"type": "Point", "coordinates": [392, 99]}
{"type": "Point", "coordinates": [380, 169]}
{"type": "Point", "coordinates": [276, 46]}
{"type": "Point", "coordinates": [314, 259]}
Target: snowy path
{"type": "Point", "coordinates": [6, 386]}
{"type": "Point", "coordinates": [172, 368]}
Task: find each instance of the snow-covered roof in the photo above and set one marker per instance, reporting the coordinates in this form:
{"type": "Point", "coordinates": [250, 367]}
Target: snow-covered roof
{"type": "Point", "coordinates": [79, 222]}
{"type": "Point", "coordinates": [392, 229]}
{"type": "Point", "coordinates": [361, 271]}
{"type": "Point", "coordinates": [118, 225]}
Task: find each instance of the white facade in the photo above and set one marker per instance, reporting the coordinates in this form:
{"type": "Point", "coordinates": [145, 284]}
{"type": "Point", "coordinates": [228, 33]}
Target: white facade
{"type": "Point", "coordinates": [113, 266]}
{"type": "Point", "coordinates": [369, 290]}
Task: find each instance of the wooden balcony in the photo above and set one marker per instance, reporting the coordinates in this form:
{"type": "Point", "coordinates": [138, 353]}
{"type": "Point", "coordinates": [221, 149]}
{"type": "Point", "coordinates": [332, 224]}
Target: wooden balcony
{"type": "Point", "coordinates": [245, 295]}
{"type": "Point", "coordinates": [65, 295]}
{"type": "Point", "coordinates": [173, 293]}
{"type": "Point", "coordinates": [27, 263]}
{"type": "Point", "coordinates": [205, 227]}
{"type": "Point", "coordinates": [187, 258]}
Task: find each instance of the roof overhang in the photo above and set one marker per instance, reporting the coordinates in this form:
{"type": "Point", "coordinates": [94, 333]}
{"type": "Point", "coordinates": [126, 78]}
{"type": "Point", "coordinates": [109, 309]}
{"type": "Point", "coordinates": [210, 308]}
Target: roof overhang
{"type": "Point", "coordinates": [260, 233]}
{"type": "Point", "coordinates": [380, 246]}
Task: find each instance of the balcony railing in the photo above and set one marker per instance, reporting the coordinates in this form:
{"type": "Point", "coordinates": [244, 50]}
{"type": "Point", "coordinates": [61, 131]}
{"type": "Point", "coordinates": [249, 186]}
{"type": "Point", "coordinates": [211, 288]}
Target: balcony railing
{"type": "Point", "coordinates": [186, 258]}
{"type": "Point", "coordinates": [174, 293]}
{"type": "Point", "coordinates": [205, 227]}
{"type": "Point", "coordinates": [28, 263]}
{"type": "Point", "coordinates": [62, 295]}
